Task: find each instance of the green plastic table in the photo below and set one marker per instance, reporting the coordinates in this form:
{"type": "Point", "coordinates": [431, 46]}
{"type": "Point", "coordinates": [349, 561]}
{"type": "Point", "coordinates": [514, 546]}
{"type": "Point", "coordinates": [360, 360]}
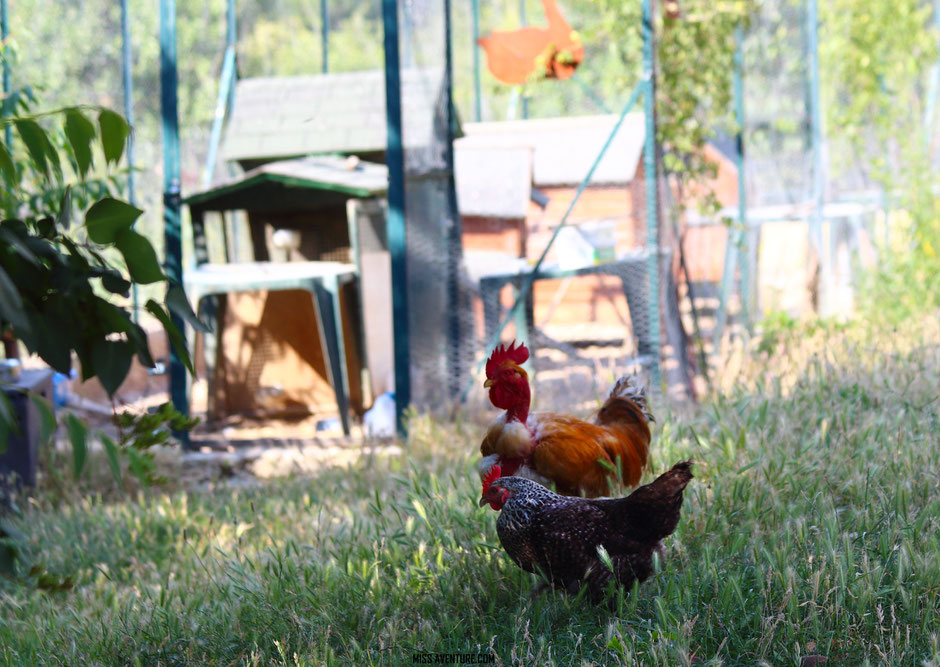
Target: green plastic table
{"type": "Point", "coordinates": [321, 279]}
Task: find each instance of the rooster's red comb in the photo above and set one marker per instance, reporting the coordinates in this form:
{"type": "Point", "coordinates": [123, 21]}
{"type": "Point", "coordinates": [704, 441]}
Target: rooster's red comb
{"type": "Point", "coordinates": [502, 353]}
{"type": "Point", "coordinates": [495, 473]}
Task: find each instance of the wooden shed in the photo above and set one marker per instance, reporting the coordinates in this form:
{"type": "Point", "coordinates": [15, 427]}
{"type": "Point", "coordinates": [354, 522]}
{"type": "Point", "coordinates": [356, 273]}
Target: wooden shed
{"type": "Point", "coordinates": [560, 153]}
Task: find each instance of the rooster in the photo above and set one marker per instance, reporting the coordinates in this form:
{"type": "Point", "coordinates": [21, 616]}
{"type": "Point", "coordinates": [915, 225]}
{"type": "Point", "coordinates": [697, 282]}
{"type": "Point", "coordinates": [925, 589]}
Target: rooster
{"type": "Point", "coordinates": [577, 542]}
{"type": "Point", "coordinates": [554, 52]}
{"type": "Point", "coordinates": [577, 456]}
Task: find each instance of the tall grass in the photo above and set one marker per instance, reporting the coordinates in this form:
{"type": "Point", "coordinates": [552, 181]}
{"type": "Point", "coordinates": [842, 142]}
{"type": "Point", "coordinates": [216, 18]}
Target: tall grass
{"type": "Point", "coordinates": [812, 527]}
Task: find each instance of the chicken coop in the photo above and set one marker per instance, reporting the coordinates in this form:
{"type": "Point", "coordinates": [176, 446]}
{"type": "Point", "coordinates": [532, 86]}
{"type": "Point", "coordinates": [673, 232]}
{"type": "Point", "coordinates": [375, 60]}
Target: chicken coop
{"type": "Point", "coordinates": [287, 302]}
{"type": "Point", "coordinates": [310, 188]}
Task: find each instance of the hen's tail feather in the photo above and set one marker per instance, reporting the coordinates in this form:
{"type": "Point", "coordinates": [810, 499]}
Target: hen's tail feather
{"type": "Point", "coordinates": [652, 511]}
{"type": "Point", "coordinates": [629, 388]}
{"type": "Point", "coordinates": [668, 487]}
{"type": "Point", "coordinates": [673, 481]}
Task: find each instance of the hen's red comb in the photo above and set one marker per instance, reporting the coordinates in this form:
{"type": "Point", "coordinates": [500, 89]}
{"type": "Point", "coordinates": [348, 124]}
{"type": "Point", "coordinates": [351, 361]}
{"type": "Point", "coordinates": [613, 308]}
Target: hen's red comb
{"type": "Point", "coordinates": [495, 473]}
{"type": "Point", "coordinates": [502, 353]}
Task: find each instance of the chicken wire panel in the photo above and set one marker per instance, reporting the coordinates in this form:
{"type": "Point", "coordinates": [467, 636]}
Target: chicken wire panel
{"type": "Point", "coordinates": [437, 324]}
{"type": "Point", "coordinates": [448, 335]}
{"type": "Point", "coordinates": [777, 133]}
{"type": "Point", "coordinates": [778, 269]}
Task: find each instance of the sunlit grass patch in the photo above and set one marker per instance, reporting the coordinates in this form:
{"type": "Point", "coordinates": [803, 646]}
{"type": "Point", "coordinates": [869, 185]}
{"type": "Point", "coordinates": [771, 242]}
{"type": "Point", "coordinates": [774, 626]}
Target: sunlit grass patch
{"type": "Point", "coordinates": [812, 527]}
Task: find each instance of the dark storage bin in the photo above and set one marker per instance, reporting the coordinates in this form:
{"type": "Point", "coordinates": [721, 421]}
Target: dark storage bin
{"type": "Point", "coordinates": [22, 450]}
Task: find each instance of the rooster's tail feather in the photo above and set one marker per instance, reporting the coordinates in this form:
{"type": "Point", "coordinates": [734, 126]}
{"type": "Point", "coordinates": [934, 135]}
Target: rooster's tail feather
{"type": "Point", "coordinates": [629, 388]}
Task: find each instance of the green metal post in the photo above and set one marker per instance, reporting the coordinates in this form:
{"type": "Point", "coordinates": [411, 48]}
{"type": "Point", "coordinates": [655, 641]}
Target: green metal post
{"type": "Point", "coordinates": [736, 236]}
{"type": "Point", "coordinates": [747, 297]}
{"type": "Point", "coordinates": [231, 42]}
{"type": "Point", "coordinates": [816, 215]}
{"type": "Point", "coordinates": [477, 94]}
{"type": "Point", "coordinates": [5, 33]}
{"type": "Point", "coordinates": [455, 229]}
{"type": "Point", "coordinates": [225, 100]}
{"type": "Point", "coordinates": [930, 114]}
{"type": "Point", "coordinates": [171, 187]}
{"type": "Point", "coordinates": [525, 98]}
{"type": "Point", "coordinates": [128, 103]}
{"type": "Point", "coordinates": [651, 176]}
{"type": "Point", "coordinates": [396, 231]}
{"type": "Point", "coordinates": [129, 115]}
{"type": "Point", "coordinates": [325, 36]}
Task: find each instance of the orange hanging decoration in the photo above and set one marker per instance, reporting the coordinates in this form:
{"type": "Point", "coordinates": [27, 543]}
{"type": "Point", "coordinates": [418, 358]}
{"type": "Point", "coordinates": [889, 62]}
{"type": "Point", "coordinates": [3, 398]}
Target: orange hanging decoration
{"type": "Point", "coordinates": [517, 56]}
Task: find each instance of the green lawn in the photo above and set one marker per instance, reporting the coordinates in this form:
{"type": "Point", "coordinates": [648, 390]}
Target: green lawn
{"type": "Point", "coordinates": [812, 527]}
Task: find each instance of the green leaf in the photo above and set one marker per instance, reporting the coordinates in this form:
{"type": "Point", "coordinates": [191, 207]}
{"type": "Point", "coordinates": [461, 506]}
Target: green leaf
{"type": "Point", "coordinates": [114, 283]}
{"type": "Point", "coordinates": [8, 423]}
{"type": "Point", "coordinates": [19, 245]}
{"type": "Point", "coordinates": [6, 164]}
{"type": "Point", "coordinates": [140, 257]}
{"type": "Point", "coordinates": [178, 304]}
{"type": "Point", "coordinates": [173, 333]}
{"type": "Point", "coordinates": [77, 434]}
{"type": "Point", "coordinates": [109, 217]}
{"type": "Point", "coordinates": [118, 320]}
{"type": "Point", "coordinates": [36, 141]}
{"type": "Point", "coordinates": [114, 132]}
{"type": "Point", "coordinates": [11, 542]}
{"type": "Point", "coordinates": [52, 155]}
{"type": "Point", "coordinates": [46, 418]}
{"type": "Point", "coordinates": [111, 450]}
{"type": "Point", "coordinates": [80, 131]}
{"type": "Point", "coordinates": [112, 361]}
{"type": "Point", "coordinates": [9, 103]}
{"type": "Point", "coordinates": [11, 306]}
{"type": "Point", "coordinates": [64, 217]}
{"type": "Point", "coordinates": [48, 339]}
{"type": "Point", "coordinates": [141, 466]}
{"type": "Point", "coordinates": [46, 228]}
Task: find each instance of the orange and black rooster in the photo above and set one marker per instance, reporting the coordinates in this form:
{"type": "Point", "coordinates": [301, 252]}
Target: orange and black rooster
{"type": "Point", "coordinates": [574, 455]}
{"type": "Point", "coordinates": [577, 542]}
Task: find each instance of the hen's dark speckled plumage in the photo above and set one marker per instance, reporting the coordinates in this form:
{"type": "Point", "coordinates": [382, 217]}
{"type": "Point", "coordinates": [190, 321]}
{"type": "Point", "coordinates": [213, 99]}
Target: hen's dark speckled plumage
{"type": "Point", "coordinates": [559, 536]}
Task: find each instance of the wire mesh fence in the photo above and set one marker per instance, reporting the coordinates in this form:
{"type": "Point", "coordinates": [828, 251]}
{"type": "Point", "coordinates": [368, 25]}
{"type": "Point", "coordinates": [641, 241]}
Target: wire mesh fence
{"type": "Point", "coordinates": [519, 162]}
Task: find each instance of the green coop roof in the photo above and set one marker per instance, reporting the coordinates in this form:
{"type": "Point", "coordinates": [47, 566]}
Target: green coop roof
{"type": "Point", "coordinates": [348, 177]}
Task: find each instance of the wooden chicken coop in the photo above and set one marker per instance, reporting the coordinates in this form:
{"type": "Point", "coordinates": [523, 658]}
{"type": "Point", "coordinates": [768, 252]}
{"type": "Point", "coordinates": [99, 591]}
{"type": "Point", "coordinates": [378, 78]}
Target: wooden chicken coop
{"type": "Point", "coordinates": [516, 213]}
{"type": "Point", "coordinates": [289, 318]}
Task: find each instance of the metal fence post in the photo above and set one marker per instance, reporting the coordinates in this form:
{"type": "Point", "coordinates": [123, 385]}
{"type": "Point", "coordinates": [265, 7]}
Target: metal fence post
{"type": "Point", "coordinates": [5, 33]}
{"type": "Point", "coordinates": [129, 115]}
{"type": "Point", "coordinates": [171, 188]}
{"type": "Point", "coordinates": [816, 214]}
{"type": "Point", "coordinates": [652, 177]}
{"type": "Point", "coordinates": [477, 94]}
{"type": "Point", "coordinates": [396, 230]}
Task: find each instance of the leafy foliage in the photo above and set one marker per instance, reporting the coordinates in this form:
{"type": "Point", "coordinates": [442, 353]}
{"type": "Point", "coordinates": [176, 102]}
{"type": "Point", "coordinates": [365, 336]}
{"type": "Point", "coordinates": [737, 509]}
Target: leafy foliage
{"type": "Point", "coordinates": [61, 285]}
{"type": "Point", "coordinates": [55, 171]}
{"type": "Point", "coordinates": [695, 42]}
{"type": "Point", "coordinates": [139, 433]}
{"type": "Point", "coordinates": [877, 99]}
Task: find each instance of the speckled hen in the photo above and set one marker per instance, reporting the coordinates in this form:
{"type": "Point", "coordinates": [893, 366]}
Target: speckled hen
{"type": "Point", "coordinates": [564, 537]}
